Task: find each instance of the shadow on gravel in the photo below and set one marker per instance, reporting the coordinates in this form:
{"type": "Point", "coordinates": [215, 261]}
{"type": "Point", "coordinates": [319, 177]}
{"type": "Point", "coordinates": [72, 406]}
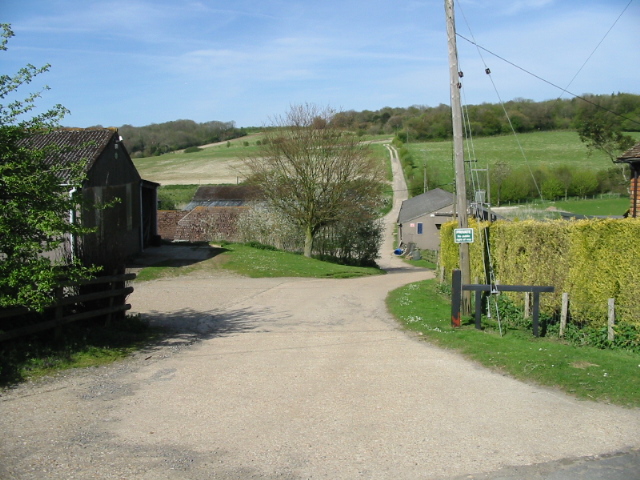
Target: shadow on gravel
{"type": "Point", "coordinates": [175, 255]}
{"type": "Point", "coordinates": [188, 323]}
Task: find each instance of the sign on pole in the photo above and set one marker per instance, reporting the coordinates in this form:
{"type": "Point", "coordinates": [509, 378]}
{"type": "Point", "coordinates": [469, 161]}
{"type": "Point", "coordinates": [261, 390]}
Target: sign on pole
{"type": "Point", "coordinates": [463, 235]}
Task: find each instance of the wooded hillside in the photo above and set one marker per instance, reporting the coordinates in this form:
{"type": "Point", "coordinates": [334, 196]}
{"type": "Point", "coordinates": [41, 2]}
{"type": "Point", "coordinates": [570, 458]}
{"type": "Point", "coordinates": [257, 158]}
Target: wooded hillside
{"type": "Point", "coordinates": [621, 111]}
{"type": "Point", "coordinates": [159, 138]}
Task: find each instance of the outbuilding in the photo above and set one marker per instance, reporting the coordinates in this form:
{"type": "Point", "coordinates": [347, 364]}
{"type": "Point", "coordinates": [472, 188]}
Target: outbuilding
{"type": "Point", "coordinates": [128, 223]}
{"type": "Point", "coordinates": [421, 217]}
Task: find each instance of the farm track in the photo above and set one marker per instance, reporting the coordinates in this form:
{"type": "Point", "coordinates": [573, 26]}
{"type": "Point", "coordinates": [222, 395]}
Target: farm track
{"type": "Point", "coordinates": [301, 378]}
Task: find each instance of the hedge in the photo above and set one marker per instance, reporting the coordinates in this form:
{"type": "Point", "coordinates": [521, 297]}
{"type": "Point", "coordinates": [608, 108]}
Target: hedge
{"type": "Point", "coordinates": [591, 260]}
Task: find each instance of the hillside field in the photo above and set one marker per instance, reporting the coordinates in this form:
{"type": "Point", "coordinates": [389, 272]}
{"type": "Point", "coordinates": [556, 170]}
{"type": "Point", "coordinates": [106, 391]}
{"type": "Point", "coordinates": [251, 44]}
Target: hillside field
{"type": "Point", "coordinates": [215, 164]}
{"type": "Point", "coordinates": [220, 163]}
{"type": "Point", "coordinates": [550, 149]}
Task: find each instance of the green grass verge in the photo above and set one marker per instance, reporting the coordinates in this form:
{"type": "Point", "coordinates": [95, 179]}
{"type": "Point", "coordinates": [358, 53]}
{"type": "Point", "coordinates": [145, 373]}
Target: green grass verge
{"type": "Point", "coordinates": [78, 345]}
{"type": "Point", "coordinates": [256, 263]}
{"type": "Point", "coordinates": [587, 373]}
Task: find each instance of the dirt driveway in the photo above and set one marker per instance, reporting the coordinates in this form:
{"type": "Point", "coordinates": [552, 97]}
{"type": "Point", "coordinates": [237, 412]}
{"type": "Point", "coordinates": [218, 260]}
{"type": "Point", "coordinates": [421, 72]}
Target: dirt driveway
{"type": "Point", "coordinates": [294, 379]}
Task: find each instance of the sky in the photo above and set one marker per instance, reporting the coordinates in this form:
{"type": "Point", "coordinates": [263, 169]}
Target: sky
{"type": "Point", "coordinates": [138, 62]}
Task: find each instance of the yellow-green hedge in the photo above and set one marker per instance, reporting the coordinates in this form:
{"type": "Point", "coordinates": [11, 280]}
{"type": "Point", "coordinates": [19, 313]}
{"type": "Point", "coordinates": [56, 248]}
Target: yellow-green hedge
{"type": "Point", "coordinates": [592, 260]}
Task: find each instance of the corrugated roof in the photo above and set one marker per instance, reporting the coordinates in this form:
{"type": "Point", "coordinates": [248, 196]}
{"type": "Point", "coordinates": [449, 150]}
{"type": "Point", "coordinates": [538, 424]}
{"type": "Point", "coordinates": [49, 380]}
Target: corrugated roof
{"type": "Point", "coordinates": [74, 145]}
{"type": "Point", "coordinates": [426, 203]}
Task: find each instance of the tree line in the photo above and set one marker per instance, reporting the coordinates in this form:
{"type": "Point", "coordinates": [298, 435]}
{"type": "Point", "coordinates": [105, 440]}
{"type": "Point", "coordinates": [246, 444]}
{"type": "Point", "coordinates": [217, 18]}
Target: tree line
{"type": "Point", "coordinates": [159, 138]}
{"type": "Point", "coordinates": [421, 123]}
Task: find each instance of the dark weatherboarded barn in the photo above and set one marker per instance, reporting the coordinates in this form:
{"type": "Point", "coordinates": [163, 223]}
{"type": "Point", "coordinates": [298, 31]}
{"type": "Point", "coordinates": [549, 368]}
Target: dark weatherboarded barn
{"type": "Point", "coordinates": [127, 226]}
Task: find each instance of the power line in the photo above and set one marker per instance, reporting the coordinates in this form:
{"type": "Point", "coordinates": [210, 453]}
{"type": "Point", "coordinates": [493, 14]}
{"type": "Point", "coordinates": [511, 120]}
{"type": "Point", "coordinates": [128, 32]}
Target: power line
{"type": "Point", "coordinates": [546, 81]}
{"type": "Point", "coordinates": [495, 88]}
{"type": "Point", "coordinates": [599, 43]}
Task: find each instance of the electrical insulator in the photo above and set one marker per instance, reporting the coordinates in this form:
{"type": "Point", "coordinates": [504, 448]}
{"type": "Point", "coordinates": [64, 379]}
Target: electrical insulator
{"type": "Point", "coordinates": [487, 71]}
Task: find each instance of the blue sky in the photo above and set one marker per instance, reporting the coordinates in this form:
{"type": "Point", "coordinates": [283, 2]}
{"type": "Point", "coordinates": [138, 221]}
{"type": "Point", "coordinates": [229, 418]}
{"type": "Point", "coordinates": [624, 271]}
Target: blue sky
{"type": "Point", "coordinates": [116, 62]}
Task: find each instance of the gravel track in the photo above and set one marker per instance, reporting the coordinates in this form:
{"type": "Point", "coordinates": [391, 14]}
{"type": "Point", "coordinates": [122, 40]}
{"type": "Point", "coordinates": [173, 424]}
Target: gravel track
{"type": "Point", "coordinates": [296, 379]}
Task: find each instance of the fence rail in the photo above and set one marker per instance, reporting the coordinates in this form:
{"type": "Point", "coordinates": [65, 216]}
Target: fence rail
{"type": "Point", "coordinates": [55, 315]}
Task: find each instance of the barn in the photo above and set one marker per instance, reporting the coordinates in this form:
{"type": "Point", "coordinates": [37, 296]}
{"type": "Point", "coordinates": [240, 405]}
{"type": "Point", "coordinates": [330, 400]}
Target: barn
{"type": "Point", "coordinates": [128, 223]}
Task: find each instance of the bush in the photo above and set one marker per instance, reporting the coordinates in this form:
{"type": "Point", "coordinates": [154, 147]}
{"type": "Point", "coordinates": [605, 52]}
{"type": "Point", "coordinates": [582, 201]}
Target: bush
{"type": "Point", "coordinates": [261, 246]}
{"type": "Point", "coordinates": [192, 150]}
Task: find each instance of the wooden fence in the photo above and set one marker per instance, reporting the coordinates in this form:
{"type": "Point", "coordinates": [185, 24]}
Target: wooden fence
{"type": "Point", "coordinates": [72, 308]}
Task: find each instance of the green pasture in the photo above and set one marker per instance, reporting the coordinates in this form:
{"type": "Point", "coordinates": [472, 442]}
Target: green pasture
{"type": "Point", "coordinates": [539, 149]}
{"type": "Point", "coordinates": [226, 152]}
{"type": "Point", "coordinates": [593, 206]}
{"type": "Point", "coordinates": [231, 151]}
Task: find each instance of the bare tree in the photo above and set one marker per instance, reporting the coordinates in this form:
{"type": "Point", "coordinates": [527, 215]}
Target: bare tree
{"type": "Point", "coordinates": [314, 172]}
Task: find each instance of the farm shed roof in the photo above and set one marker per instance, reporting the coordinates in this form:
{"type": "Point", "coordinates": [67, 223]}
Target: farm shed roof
{"type": "Point", "coordinates": [73, 146]}
{"type": "Point", "coordinates": [631, 155]}
{"type": "Point", "coordinates": [426, 203]}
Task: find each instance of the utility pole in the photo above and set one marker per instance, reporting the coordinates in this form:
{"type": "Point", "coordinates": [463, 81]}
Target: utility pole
{"type": "Point", "coordinates": [458, 147]}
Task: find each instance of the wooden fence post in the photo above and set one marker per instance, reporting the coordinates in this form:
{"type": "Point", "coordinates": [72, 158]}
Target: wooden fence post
{"type": "Point", "coordinates": [564, 313]}
{"type": "Point", "coordinates": [612, 319]}
{"type": "Point", "coordinates": [527, 304]}
{"type": "Point", "coordinates": [456, 297]}
{"type": "Point", "coordinates": [58, 312]}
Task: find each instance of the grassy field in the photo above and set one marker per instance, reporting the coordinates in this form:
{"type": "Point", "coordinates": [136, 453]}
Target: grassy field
{"type": "Point", "coordinates": [594, 206]}
{"type": "Point", "coordinates": [549, 149]}
{"type": "Point", "coordinates": [546, 210]}
{"type": "Point", "coordinates": [216, 164]}
{"type": "Point", "coordinates": [611, 376]}
{"type": "Point", "coordinates": [175, 197]}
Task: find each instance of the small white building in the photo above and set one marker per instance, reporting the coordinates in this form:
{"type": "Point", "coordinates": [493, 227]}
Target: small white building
{"type": "Point", "coordinates": [421, 217]}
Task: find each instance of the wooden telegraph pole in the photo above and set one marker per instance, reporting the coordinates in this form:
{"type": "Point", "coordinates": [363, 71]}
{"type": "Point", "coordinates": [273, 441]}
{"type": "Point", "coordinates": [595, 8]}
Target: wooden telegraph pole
{"type": "Point", "coordinates": [458, 147]}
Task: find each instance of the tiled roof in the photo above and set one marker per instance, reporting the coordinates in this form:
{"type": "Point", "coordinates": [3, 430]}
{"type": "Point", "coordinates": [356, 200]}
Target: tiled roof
{"type": "Point", "coordinates": [428, 202]}
{"type": "Point", "coordinates": [74, 144]}
{"type": "Point", "coordinates": [631, 155]}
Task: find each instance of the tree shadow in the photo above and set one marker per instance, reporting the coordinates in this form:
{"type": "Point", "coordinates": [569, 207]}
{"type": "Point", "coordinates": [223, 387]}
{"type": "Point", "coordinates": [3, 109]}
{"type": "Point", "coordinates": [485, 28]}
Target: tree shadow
{"type": "Point", "coordinates": [186, 326]}
{"type": "Point", "coordinates": [181, 254]}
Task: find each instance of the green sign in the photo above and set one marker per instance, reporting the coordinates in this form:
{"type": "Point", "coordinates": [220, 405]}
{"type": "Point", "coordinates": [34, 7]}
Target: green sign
{"type": "Point", "coordinates": [463, 235]}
